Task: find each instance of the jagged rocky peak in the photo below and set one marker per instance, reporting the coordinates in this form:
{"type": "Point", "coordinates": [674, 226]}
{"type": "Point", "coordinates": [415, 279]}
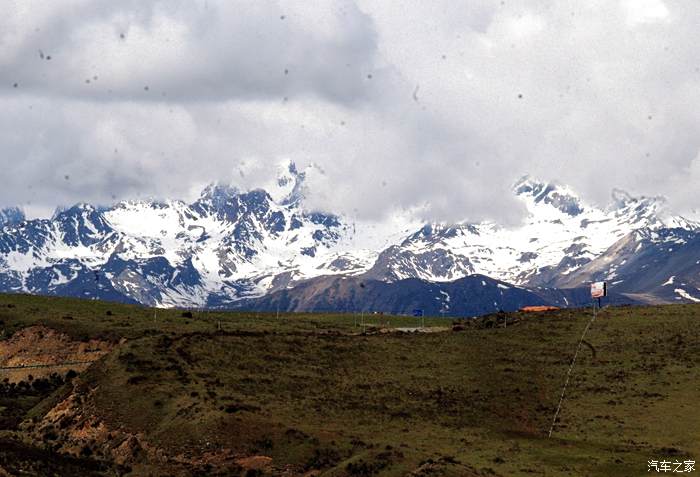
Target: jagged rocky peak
{"type": "Point", "coordinates": [256, 201]}
{"type": "Point", "coordinates": [11, 216]}
{"type": "Point", "coordinates": [647, 211]}
{"type": "Point", "coordinates": [530, 186]}
{"type": "Point", "coordinates": [440, 231]}
{"type": "Point", "coordinates": [424, 232]}
{"type": "Point", "coordinates": [80, 213]}
{"type": "Point", "coordinates": [75, 210]}
{"type": "Point", "coordinates": [81, 224]}
{"type": "Point", "coordinates": [555, 195]}
{"type": "Point", "coordinates": [217, 195]}
{"type": "Point", "coordinates": [232, 244]}
{"type": "Point", "coordinates": [220, 200]}
{"type": "Point", "coordinates": [288, 188]}
{"type": "Point", "coordinates": [622, 200]}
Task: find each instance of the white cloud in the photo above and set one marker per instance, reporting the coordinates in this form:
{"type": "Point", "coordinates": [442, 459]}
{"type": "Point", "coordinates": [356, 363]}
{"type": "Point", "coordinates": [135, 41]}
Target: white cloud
{"type": "Point", "coordinates": [430, 106]}
{"type": "Point", "coordinates": [644, 11]}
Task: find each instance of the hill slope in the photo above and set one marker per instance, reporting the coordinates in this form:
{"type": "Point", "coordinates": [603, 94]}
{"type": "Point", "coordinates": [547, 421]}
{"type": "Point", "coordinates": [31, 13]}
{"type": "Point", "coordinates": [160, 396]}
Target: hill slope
{"type": "Point", "coordinates": [468, 296]}
{"type": "Point", "coordinates": [220, 394]}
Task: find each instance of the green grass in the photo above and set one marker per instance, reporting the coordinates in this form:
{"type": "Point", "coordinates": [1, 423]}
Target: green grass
{"type": "Point", "coordinates": [309, 392]}
{"type": "Point", "coordinates": [84, 319]}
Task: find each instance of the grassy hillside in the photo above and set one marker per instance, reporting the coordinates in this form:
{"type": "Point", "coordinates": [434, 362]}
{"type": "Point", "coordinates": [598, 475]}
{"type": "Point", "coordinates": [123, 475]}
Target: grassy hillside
{"type": "Point", "coordinates": [253, 394]}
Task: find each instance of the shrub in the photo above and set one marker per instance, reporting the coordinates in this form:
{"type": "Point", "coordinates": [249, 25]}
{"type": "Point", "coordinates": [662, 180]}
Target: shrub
{"type": "Point", "coordinates": [323, 458]}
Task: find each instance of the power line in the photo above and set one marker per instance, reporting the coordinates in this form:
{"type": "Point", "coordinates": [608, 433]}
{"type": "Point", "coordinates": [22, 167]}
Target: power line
{"type": "Point", "coordinates": [568, 373]}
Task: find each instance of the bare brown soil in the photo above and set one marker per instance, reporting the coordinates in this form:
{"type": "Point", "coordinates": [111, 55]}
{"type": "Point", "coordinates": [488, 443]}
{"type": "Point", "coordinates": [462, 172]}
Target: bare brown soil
{"type": "Point", "coordinates": [41, 346]}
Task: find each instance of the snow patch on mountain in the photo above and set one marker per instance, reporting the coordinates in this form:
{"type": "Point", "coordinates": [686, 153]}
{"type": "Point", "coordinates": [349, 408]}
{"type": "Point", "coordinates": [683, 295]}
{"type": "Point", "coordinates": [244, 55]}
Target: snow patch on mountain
{"type": "Point", "coordinates": [231, 245]}
{"type": "Point", "coordinates": [560, 233]}
{"type": "Point", "coordinates": [11, 216]}
{"type": "Point", "coordinates": [684, 294]}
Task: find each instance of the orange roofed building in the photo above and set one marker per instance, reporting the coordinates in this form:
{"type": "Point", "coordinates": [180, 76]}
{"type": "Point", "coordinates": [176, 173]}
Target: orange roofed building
{"type": "Point", "coordinates": [530, 309]}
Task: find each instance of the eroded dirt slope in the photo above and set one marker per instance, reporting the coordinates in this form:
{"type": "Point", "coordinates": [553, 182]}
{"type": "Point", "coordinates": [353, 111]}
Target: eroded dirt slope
{"type": "Point", "coordinates": [40, 351]}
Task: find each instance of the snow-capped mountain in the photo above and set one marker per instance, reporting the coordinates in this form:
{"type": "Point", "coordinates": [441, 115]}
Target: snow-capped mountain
{"type": "Point", "coordinates": [230, 247]}
{"type": "Point", "coordinates": [224, 246]}
{"type": "Point", "coordinates": [648, 265]}
{"type": "Point", "coordinates": [560, 234]}
{"type": "Point", "coordinates": [11, 216]}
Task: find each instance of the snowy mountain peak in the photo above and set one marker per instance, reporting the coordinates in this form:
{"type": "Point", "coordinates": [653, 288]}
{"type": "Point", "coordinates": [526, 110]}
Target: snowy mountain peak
{"type": "Point", "coordinates": [441, 231]}
{"type": "Point", "coordinates": [76, 209]}
{"type": "Point", "coordinates": [645, 211]}
{"type": "Point", "coordinates": [623, 200]}
{"type": "Point", "coordinates": [559, 197]}
{"type": "Point", "coordinates": [218, 195]}
{"type": "Point", "coordinates": [230, 245]}
{"type": "Point", "coordinates": [559, 235]}
{"type": "Point", "coordinates": [220, 200]}
{"type": "Point", "coordinates": [11, 216]}
{"type": "Point", "coordinates": [620, 198]}
{"type": "Point", "coordinates": [81, 225]}
{"type": "Point", "coordinates": [288, 188]}
{"type": "Point", "coordinates": [527, 184]}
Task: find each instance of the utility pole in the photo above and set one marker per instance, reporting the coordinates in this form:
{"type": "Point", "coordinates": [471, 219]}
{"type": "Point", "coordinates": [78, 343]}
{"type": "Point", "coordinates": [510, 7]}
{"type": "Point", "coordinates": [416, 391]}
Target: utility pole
{"type": "Point", "coordinates": [594, 308]}
{"type": "Point", "coordinates": [571, 367]}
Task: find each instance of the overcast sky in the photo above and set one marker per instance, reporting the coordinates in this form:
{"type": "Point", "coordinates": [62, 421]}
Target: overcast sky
{"type": "Point", "coordinates": [437, 105]}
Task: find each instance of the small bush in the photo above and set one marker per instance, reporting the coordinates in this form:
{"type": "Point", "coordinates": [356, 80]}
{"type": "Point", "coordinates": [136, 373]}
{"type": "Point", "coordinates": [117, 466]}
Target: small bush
{"type": "Point", "coordinates": [264, 444]}
{"type": "Point", "coordinates": [323, 458]}
{"type": "Point", "coordinates": [136, 379]}
{"type": "Point", "coordinates": [86, 451]}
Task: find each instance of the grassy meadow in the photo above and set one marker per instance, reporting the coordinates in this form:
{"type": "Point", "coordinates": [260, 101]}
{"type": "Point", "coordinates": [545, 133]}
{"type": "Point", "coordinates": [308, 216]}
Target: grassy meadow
{"type": "Point", "coordinates": [314, 395]}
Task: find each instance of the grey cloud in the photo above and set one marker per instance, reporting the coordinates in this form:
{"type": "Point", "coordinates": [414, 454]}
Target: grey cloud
{"type": "Point", "coordinates": [182, 51]}
{"type": "Point", "coordinates": [597, 95]}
